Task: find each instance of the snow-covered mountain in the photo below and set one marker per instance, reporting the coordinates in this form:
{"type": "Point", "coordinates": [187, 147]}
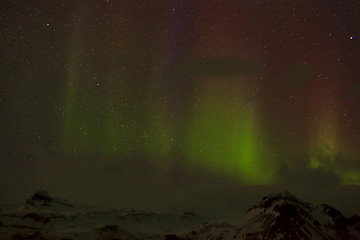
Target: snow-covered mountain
{"type": "Point", "coordinates": [44, 217]}
{"type": "Point", "coordinates": [277, 216]}
{"type": "Point", "coordinates": [283, 216]}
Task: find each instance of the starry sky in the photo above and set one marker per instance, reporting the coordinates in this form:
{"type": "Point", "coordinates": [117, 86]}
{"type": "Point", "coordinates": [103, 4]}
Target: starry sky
{"type": "Point", "coordinates": [128, 102]}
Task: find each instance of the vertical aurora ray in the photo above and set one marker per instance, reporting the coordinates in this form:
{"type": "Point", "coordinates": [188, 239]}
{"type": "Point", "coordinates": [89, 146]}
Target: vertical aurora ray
{"type": "Point", "coordinates": [212, 121]}
{"type": "Point", "coordinates": [79, 131]}
{"type": "Point", "coordinates": [181, 96]}
{"type": "Point", "coordinates": [323, 133]}
{"type": "Point", "coordinates": [325, 115]}
{"type": "Point", "coordinates": [223, 136]}
{"type": "Point", "coordinates": [326, 151]}
{"type": "Point", "coordinates": [70, 93]}
{"type": "Point", "coordinates": [222, 133]}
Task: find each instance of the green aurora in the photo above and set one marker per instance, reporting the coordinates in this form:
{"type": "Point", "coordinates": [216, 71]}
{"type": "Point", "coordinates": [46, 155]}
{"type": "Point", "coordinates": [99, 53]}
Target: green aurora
{"type": "Point", "coordinates": [183, 96]}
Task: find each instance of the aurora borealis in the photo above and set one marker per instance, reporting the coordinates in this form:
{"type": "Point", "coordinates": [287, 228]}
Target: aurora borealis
{"type": "Point", "coordinates": [179, 93]}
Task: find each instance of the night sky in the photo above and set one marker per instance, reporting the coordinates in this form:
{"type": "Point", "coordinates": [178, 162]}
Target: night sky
{"type": "Point", "coordinates": [134, 103]}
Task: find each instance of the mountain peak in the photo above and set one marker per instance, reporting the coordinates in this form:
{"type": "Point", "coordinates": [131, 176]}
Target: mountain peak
{"type": "Point", "coordinates": [276, 216]}
{"type": "Point", "coordinates": [284, 216]}
{"type": "Point", "coordinates": [42, 198]}
{"type": "Point", "coordinates": [284, 195]}
{"type": "Point", "coordinates": [41, 195]}
{"type": "Point", "coordinates": [276, 202]}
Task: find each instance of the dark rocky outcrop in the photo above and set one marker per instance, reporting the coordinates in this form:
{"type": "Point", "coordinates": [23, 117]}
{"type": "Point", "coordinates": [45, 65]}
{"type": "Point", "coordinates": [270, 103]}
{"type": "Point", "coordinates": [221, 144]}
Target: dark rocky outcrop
{"type": "Point", "coordinates": [43, 199]}
{"type": "Point", "coordinates": [112, 232]}
{"type": "Point", "coordinates": [171, 237]}
{"type": "Point", "coordinates": [108, 228]}
{"type": "Point", "coordinates": [40, 196]}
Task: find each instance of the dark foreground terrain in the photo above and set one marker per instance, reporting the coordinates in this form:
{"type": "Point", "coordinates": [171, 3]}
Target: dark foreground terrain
{"type": "Point", "coordinates": [277, 216]}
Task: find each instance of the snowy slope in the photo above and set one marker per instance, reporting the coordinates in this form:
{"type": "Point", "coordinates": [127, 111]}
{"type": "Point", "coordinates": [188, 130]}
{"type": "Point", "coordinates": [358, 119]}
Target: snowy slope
{"type": "Point", "coordinates": [278, 216]}
{"type": "Point", "coordinates": [44, 217]}
{"type": "Point", "coordinates": [283, 216]}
